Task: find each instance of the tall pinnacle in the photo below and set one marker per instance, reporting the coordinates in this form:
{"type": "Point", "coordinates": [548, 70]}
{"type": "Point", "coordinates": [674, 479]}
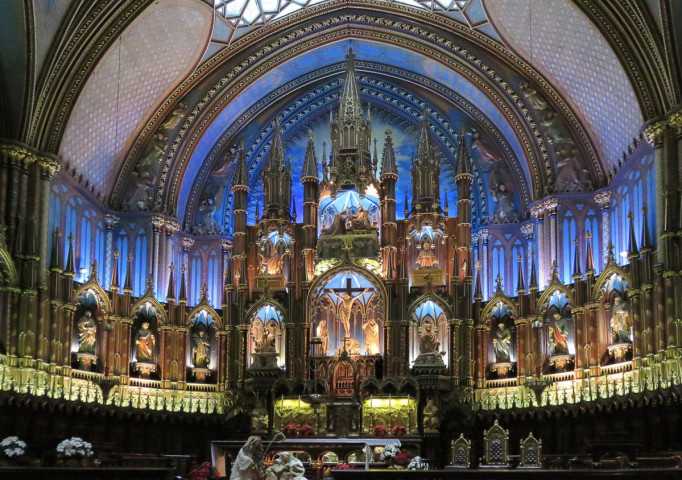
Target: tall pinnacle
{"type": "Point", "coordinates": [241, 177]}
{"type": "Point", "coordinates": [463, 157]}
{"type": "Point", "coordinates": [310, 161]}
{"type": "Point", "coordinates": [351, 108]}
{"type": "Point", "coordinates": [388, 163]}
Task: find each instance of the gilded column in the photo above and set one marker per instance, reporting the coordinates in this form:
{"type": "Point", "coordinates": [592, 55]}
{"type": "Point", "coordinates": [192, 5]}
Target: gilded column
{"type": "Point", "coordinates": [157, 226]}
{"type": "Point", "coordinates": [484, 254]}
{"type": "Point", "coordinates": [552, 206]}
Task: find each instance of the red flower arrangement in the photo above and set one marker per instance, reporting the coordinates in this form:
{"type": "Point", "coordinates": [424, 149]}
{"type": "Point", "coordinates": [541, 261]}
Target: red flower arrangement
{"type": "Point", "coordinates": [399, 430]}
{"type": "Point", "coordinates": [205, 471]}
{"type": "Point", "coordinates": [306, 431]}
{"type": "Point", "coordinates": [403, 459]}
{"type": "Point", "coordinates": [380, 430]}
{"type": "Point", "coordinates": [344, 466]}
{"type": "Point", "coordinates": [289, 430]}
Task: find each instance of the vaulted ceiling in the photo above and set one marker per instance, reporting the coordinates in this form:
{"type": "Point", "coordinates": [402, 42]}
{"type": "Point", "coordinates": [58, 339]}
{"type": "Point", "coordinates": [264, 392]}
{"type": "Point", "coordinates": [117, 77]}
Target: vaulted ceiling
{"type": "Point", "coordinates": [526, 82]}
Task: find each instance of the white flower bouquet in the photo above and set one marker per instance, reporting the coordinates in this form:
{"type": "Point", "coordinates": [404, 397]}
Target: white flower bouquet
{"type": "Point", "coordinates": [390, 451]}
{"type": "Point", "coordinates": [74, 447]}
{"type": "Point", "coordinates": [13, 447]}
{"type": "Point", "coordinates": [418, 464]}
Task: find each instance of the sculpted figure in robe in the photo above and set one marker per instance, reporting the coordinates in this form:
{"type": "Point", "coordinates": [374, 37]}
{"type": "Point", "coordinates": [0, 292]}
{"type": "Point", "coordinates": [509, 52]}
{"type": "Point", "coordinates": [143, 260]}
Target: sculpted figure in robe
{"type": "Point", "coordinates": [502, 343]}
{"type": "Point", "coordinates": [620, 322]}
{"type": "Point", "coordinates": [360, 221]}
{"type": "Point", "coordinates": [272, 265]}
{"type": "Point", "coordinates": [323, 334]}
{"type": "Point", "coordinates": [371, 329]}
{"type": "Point", "coordinates": [201, 349]}
{"type": "Point", "coordinates": [558, 341]}
{"type": "Point", "coordinates": [145, 341]}
{"type": "Point", "coordinates": [428, 342]}
{"type": "Point", "coordinates": [426, 258]}
{"type": "Point", "coordinates": [87, 333]}
{"type": "Point", "coordinates": [249, 461]}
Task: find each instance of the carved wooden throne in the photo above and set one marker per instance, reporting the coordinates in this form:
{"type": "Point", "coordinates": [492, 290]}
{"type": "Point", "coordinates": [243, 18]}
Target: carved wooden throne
{"type": "Point", "coordinates": [460, 453]}
{"type": "Point", "coordinates": [496, 447]}
{"type": "Point", "coordinates": [531, 453]}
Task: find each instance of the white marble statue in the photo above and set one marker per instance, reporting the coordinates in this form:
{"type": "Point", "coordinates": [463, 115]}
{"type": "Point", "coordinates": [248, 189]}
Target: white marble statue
{"type": "Point", "coordinates": [285, 467]}
{"type": "Point", "coordinates": [248, 462]}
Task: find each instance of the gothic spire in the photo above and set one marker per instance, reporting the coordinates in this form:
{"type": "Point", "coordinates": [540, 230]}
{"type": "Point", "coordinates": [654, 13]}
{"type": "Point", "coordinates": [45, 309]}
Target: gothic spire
{"type": "Point", "coordinates": [310, 161]}
{"type": "Point", "coordinates": [277, 179]}
{"type": "Point", "coordinates": [576, 262]}
{"type": "Point", "coordinates": [646, 238]}
{"type": "Point", "coordinates": [425, 172]}
{"type": "Point", "coordinates": [182, 298]}
{"type": "Point", "coordinates": [276, 158]}
{"type": "Point", "coordinates": [388, 163]}
{"type": "Point", "coordinates": [241, 176]}
{"type": "Point", "coordinates": [56, 261]}
{"type": "Point", "coordinates": [351, 108]}
{"type": "Point", "coordinates": [633, 251]}
{"type": "Point", "coordinates": [589, 267]}
{"type": "Point", "coordinates": [170, 293]}
{"type": "Point", "coordinates": [533, 283]}
{"type": "Point", "coordinates": [520, 284]}
{"type": "Point", "coordinates": [478, 291]}
{"type": "Point", "coordinates": [463, 158]}
{"type": "Point", "coordinates": [70, 261]}
{"type": "Point", "coordinates": [128, 283]}
{"type": "Point", "coordinates": [113, 284]}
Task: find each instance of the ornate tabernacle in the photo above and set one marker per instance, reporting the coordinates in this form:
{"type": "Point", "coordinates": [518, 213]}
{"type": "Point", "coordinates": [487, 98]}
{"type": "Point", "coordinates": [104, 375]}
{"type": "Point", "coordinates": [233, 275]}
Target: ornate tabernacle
{"type": "Point", "coordinates": [495, 447]}
{"type": "Point", "coordinates": [460, 453]}
{"type": "Point", "coordinates": [530, 452]}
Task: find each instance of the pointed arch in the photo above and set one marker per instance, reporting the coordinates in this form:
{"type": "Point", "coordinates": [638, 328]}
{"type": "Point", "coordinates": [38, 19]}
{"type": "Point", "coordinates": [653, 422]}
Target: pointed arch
{"type": "Point", "coordinates": [101, 295]}
{"type": "Point", "coordinates": [148, 298]}
{"type": "Point", "coordinates": [555, 286]}
{"type": "Point", "coordinates": [8, 272]}
{"type": "Point", "coordinates": [203, 305]}
{"type": "Point", "coordinates": [434, 297]}
{"type": "Point", "coordinates": [262, 301]}
{"type": "Point", "coordinates": [611, 269]}
{"type": "Point", "coordinates": [492, 303]}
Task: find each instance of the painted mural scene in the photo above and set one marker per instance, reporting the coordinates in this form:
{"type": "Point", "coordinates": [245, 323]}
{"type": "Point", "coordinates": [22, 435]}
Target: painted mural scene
{"type": "Point", "coordinates": [335, 239]}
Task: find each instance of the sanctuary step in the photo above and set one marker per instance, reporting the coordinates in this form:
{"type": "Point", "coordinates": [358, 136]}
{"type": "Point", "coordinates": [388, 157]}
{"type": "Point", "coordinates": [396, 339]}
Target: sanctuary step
{"type": "Point", "coordinates": [101, 473]}
{"type": "Point", "coordinates": [489, 474]}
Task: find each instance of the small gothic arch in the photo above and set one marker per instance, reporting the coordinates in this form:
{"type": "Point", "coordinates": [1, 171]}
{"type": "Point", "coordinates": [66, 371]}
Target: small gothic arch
{"type": "Point", "coordinates": [149, 300]}
{"type": "Point", "coordinates": [344, 377]}
{"type": "Point", "coordinates": [92, 284]}
{"type": "Point", "coordinates": [266, 333]}
{"type": "Point", "coordinates": [8, 272]}
{"type": "Point", "coordinates": [605, 277]}
{"type": "Point", "coordinates": [554, 286]}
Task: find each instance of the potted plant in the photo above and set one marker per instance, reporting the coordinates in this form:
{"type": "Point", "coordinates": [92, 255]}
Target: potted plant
{"type": "Point", "coordinates": [75, 451]}
{"type": "Point", "coordinates": [12, 449]}
{"type": "Point", "coordinates": [399, 430]}
{"type": "Point", "coordinates": [380, 430]}
{"type": "Point", "coordinates": [306, 431]}
{"type": "Point", "coordinates": [289, 430]}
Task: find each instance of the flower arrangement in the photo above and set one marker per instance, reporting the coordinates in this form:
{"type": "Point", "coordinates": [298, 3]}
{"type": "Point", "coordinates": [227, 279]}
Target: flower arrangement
{"type": "Point", "coordinates": [203, 471]}
{"type": "Point", "coordinates": [390, 451]}
{"type": "Point", "coordinates": [306, 431]}
{"type": "Point", "coordinates": [289, 430]}
{"type": "Point", "coordinates": [74, 447]}
{"type": "Point", "coordinates": [344, 466]}
{"type": "Point", "coordinates": [402, 459]}
{"type": "Point", "coordinates": [399, 430]}
{"type": "Point", "coordinates": [380, 430]}
{"type": "Point", "coordinates": [13, 447]}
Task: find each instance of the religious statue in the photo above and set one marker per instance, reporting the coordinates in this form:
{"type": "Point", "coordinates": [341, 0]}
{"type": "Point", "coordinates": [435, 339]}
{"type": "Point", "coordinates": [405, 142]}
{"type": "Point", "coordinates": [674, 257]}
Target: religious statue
{"type": "Point", "coordinates": [558, 336]}
{"type": "Point", "coordinates": [371, 329]}
{"type": "Point", "coordinates": [571, 172]}
{"type": "Point", "coordinates": [323, 334]}
{"type": "Point", "coordinates": [285, 467]}
{"type": "Point", "coordinates": [266, 343]}
{"type": "Point", "coordinates": [87, 333]}
{"type": "Point", "coordinates": [338, 226]}
{"type": "Point", "coordinates": [504, 204]}
{"type": "Point", "coordinates": [620, 322]}
{"type": "Point", "coordinates": [428, 342]}
{"type": "Point", "coordinates": [426, 258]}
{"type": "Point", "coordinates": [431, 416]}
{"type": "Point", "coordinates": [359, 221]}
{"type": "Point", "coordinates": [272, 265]}
{"type": "Point", "coordinates": [201, 349]}
{"type": "Point", "coordinates": [345, 308]}
{"type": "Point", "coordinates": [259, 419]}
{"type": "Point", "coordinates": [145, 341]}
{"type": "Point", "coordinates": [249, 461]}
{"type": "Point", "coordinates": [502, 343]}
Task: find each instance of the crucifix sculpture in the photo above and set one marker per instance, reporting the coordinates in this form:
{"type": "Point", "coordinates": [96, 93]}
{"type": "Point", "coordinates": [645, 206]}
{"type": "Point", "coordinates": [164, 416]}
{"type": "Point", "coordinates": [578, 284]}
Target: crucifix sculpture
{"type": "Point", "coordinates": [345, 307]}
